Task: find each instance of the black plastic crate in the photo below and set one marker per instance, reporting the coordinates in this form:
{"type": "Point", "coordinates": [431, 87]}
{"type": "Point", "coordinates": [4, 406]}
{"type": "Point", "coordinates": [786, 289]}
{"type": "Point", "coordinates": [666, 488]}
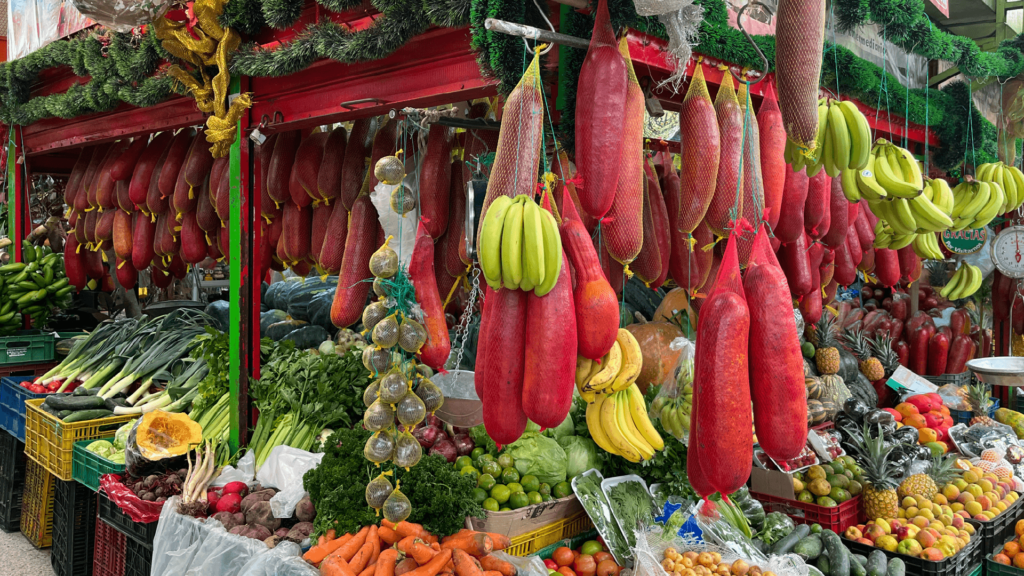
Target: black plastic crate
{"type": "Point", "coordinates": [138, 558]}
{"type": "Point", "coordinates": [112, 514]}
{"type": "Point", "coordinates": [12, 457]}
{"type": "Point", "coordinates": [1001, 528]}
{"type": "Point", "coordinates": [10, 503]}
{"type": "Point", "coordinates": [74, 529]}
{"type": "Point", "coordinates": [963, 563]}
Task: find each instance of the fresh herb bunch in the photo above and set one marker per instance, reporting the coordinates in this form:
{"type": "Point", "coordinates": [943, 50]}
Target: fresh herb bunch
{"type": "Point", "coordinates": [441, 498]}
{"type": "Point", "coordinates": [632, 507]}
{"type": "Point", "coordinates": [214, 348]}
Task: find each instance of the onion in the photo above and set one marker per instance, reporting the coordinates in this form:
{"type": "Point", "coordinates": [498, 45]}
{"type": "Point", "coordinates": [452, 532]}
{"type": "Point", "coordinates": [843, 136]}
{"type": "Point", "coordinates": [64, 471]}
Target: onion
{"type": "Point", "coordinates": [445, 448]}
{"type": "Point", "coordinates": [463, 444]}
{"type": "Point", "coordinates": [428, 436]}
{"type": "Point", "coordinates": [432, 420]}
{"type": "Point", "coordinates": [456, 430]}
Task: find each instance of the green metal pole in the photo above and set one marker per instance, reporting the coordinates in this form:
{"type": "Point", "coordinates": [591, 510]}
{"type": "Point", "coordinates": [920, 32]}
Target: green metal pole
{"type": "Point", "coordinates": [235, 277]}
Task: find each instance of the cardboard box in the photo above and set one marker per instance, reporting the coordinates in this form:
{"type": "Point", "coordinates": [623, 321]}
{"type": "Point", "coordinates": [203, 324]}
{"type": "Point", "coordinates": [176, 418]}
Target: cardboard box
{"type": "Point", "coordinates": [772, 482]}
{"type": "Point", "coordinates": [513, 523]}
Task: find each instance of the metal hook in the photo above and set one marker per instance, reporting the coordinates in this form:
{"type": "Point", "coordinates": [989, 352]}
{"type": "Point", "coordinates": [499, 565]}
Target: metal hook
{"type": "Point", "coordinates": [739, 24]}
{"type": "Point", "coordinates": [550, 25]}
{"type": "Point", "coordinates": [276, 114]}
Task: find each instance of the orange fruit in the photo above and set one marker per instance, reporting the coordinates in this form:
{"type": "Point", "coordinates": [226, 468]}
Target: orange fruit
{"type": "Point", "coordinates": [1011, 549]}
{"type": "Point", "coordinates": [1001, 559]}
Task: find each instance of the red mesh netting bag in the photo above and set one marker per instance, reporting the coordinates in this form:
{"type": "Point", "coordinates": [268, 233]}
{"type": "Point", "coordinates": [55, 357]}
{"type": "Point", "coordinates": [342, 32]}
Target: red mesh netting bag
{"type": "Point", "coordinates": [773, 163]}
{"type": "Point", "coordinates": [752, 207]}
{"type": "Point", "coordinates": [700, 149]}
{"type": "Point", "coordinates": [138, 509]}
{"type": "Point", "coordinates": [730, 129]}
{"type": "Point", "coordinates": [721, 383]}
{"type": "Point", "coordinates": [500, 363]}
{"type": "Point", "coordinates": [799, 31]}
{"type": "Point", "coordinates": [647, 265]}
{"type": "Point", "coordinates": [790, 225]}
{"type": "Point", "coordinates": [775, 360]}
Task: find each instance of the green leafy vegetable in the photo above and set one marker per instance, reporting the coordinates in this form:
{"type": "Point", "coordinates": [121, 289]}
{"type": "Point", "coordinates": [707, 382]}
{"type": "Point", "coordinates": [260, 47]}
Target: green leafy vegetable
{"type": "Point", "coordinates": [580, 455]}
{"type": "Point", "coordinates": [540, 456]}
{"type": "Point", "coordinates": [776, 526]}
{"type": "Point", "coordinates": [632, 506]}
{"type": "Point", "coordinates": [593, 500]}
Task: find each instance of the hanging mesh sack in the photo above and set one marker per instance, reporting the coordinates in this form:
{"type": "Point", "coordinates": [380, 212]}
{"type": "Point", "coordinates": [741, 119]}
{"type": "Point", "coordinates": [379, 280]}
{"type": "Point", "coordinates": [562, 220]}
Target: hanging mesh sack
{"type": "Point", "coordinates": [514, 170]}
{"type": "Point", "coordinates": [410, 410]}
{"type": "Point", "coordinates": [379, 447]}
{"type": "Point", "coordinates": [393, 387]}
{"type": "Point", "coordinates": [385, 333]}
{"type": "Point", "coordinates": [700, 148]}
{"type": "Point", "coordinates": [772, 139]}
{"type": "Point", "coordinates": [370, 394]}
{"type": "Point", "coordinates": [376, 360]}
{"type": "Point", "coordinates": [384, 262]}
{"type": "Point", "coordinates": [648, 262]}
{"type": "Point", "coordinates": [378, 416]}
{"type": "Point", "coordinates": [730, 127]}
{"type": "Point", "coordinates": [407, 450]}
{"type": "Point", "coordinates": [430, 394]}
{"type": "Point", "coordinates": [397, 507]}
{"type": "Point", "coordinates": [377, 491]}
{"type": "Point", "coordinates": [753, 184]}
{"type": "Point", "coordinates": [799, 31]}
{"type": "Point", "coordinates": [790, 225]}
{"type": "Point", "coordinates": [623, 228]}
{"type": "Point", "coordinates": [411, 335]}
{"type": "Point", "coordinates": [690, 263]}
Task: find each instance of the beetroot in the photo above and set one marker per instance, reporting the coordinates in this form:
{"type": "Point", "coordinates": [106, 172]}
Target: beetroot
{"type": "Point", "coordinates": [282, 531]}
{"type": "Point", "coordinates": [261, 514]}
{"type": "Point", "coordinates": [304, 510]}
{"type": "Point", "coordinates": [446, 448]}
{"type": "Point", "coordinates": [463, 444]}
{"type": "Point", "coordinates": [227, 519]}
{"type": "Point", "coordinates": [229, 503]}
{"type": "Point", "coordinates": [428, 435]}
{"type": "Point", "coordinates": [212, 497]}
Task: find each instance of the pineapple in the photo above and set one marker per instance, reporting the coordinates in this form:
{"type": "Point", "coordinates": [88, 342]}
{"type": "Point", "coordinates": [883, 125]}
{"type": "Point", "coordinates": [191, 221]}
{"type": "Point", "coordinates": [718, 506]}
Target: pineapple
{"type": "Point", "coordinates": [940, 474]}
{"type": "Point", "coordinates": [826, 356]}
{"type": "Point", "coordinates": [978, 399]}
{"type": "Point", "coordinates": [870, 366]}
{"type": "Point", "coordinates": [882, 348]}
{"type": "Point", "coordinates": [879, 495]}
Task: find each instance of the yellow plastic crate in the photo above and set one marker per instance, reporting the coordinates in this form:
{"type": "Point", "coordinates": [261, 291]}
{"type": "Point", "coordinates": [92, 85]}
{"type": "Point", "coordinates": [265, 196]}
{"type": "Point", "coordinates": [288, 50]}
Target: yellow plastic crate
{"type": "Point", "coordinates": [37, 505]}
{"type": "Point", "coordinates": [51, 442]}
{"type": "Point", "coordinates": [531, 542]}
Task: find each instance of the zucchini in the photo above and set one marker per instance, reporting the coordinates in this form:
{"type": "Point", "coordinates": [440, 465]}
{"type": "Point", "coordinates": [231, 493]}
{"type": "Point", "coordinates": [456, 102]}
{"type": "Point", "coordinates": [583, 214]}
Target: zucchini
{"type": "Point", "coordinates": [83, 391]}
{"type": "Point", "coordinates": [824, 565]}
{"type": "Point", "coordinates": [896, 568]}
{"type": "Point", "coordinates": [786, 544]}
{"type": "Point", "coordinates": [859, 559]}
{"type": "Point", "coordinates": [838, 556]}
{"type": "Point", "coordinates": [64, 414]}
{"type": "Point", "coordinates": [808, 548]}
{"type": "Point", "coordinates": [876, 563]}
{"type": "Point", "coordinates": [75, 402]}
{"type": "Point", "coordinates": [83, 415]}
{"type": "Point", "coordinates": [857, 569]}
{"type": "Point", "coordinates": [49, 410]}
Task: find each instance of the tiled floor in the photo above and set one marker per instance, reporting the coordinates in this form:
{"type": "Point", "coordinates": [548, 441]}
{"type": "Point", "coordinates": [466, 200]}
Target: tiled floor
{"type": "Point", "coordinates": [19, 558]}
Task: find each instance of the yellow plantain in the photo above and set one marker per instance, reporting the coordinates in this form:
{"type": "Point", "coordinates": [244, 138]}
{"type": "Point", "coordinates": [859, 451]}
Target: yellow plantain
{"type": "Point", "coordinates": [638, 409]}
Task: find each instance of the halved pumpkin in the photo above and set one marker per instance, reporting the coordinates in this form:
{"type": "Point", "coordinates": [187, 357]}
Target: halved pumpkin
{"type": "Point", "coordinates": [164, 434]}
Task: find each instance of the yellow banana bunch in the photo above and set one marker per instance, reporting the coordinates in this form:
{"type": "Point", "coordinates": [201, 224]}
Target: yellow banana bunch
{"type": "Point", "coordinates": [1009, 178]}
{"type": "Point", "coordinates": [520, 246]}
{"type": "Point", "coordinates": [895, 170]}
{"type": "Point", "coordinates": [620, 425]}
{"type": "Point", "coordinates": [927, 247]}
{"type": "Point", "coordinates": [976, 203]}
{"type": "Point", "coordinates": [616, 371]}
{"type": "Point", "coordinates": [843, 141]}
{"type": "Point", "coordinates": [965, 282]}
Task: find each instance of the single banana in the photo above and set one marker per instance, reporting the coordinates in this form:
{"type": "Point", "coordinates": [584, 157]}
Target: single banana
{"type": "Point", "coordinates": [860, 135]}
{"type": "Point", "coordinates": [928, 214]}
{"type": "Point", "coordinates": [911, 169]}
{"type": "Point", "coordinates": [638, 408]}
{"type": "Point", "coordinates": [583, 365]}
{"type": "Point", "coordinates": [982, 172]}
{"type": "Point", "coordinates": [610, 366]}
{"type": "Point", "coordinates": [533, 243]}
{"type": "Point", "coordinates": [841, 142]}
{"type": "Point", "coordinates": [849, 183]}
{"type": "Point", "coordinates": [490, 240]}
{"type": "Point", "coordinates": [628, 429]}
{"type": "Point", "coordinates": [597, 431]}
{"type": "Point", "coordinates": [526, 285]}
{"type": "Point", "coordinates": [828, 155]}
{"type": "Point", "coordinates": [632, 360]}
{"type": "Point", "coordinates": [903, 220]}
{"type": "Point", "coordinates": [902, 241]}
{"type": "Point", "coordinates": [512, 247]}
{"type": "Point", "coordinates": [552, 254]}
{"type": "Point", "coordinates": [867, 182]}
{"type": "Point", "coordinates": [1018, 180]}
{"type": "Point", "coordinates": [945, 194]}
{"type": "Point", "coordinates": [610, 426]}
{"type": "Point", "coordinates": [1010, 188]}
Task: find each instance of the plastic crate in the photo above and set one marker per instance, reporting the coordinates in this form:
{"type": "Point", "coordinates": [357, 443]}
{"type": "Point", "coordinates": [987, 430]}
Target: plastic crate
{"type": "Point", "coordinates": [836, 519]}
{"type": "Point", "coordinates": [26, 369]}
{"type": "Point", "coordinates": [574, 543]}
{"type": "Point", "coordinates": [993, 568]}
{"type": "Point", "coordinates": [12, 404]}
{"type": "Point", "coordinates": [112, 514]}
{"type": "Point", "coordinates": [74, 529]}
{"type": "Point", "coordinates": [963, 563]}
{"type": "Point", "coordinates": [12, 482]}
{"type": "Point", "coordinates": [51, 442]}
{"type": "Point", "coordinates": [37, 506]}
{"type": "Point", "coordinates": [533, 541]}
{"type": "Point", "coordinates": [961, 379]}
{"type": "Point", "coordinates": [27, 347]}
{"type": "Point", "coordinates": [108, 551]}
{"type": "Point", "coordinates": [12, 457]}
{"type": "Point", "coordinates": [87, 467]}
{"type": "Point", "coordinates": [1000, 529]}
{"type": "Point", "coordinates": [965, 416]}
{"type": "Point", "coordinates": [137, 558]}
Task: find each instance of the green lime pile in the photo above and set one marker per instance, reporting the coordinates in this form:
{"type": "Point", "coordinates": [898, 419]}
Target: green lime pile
{"type": "Point", "coordinates": [499, 486]}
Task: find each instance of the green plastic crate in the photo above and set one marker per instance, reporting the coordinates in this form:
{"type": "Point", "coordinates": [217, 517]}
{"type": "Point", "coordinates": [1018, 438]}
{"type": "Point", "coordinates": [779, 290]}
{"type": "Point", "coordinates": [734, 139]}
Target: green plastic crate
{"type": "Point", "coordinates": [87, 467]}
{"type": "Point", "coordinates": [27, 347]}
{"type": "Point", "coordinates": [574, 543]}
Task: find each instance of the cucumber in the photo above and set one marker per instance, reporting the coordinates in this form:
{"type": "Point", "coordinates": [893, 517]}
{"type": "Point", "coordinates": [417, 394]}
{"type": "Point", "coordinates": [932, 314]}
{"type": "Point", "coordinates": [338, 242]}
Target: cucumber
{"type": "Point", "coordinates": [75, 402]}
{"type": "Point", "coordinates": [112, 403]}
{"type": "Point", "coordinates": [876, 563]}
{"type": "Point", "coordinates": [49, 410]}
{"type": "Point", "coordinates": [838, 556]}
{"type": "Point", "coordinates": [83, 415]}
{"type": "Point", "coordinates": [896, 568]}
{"type": "Point", "coordinates": [857, 569]}
{"type": "Point", "coordinates": [82, 391]}
{"type": "Point", "coordinates": [859, 559]}
{"type": "Point", "coordinates": [786, 544]}
{"type": "Point", "coordinates": [824, 565]}
{"type": "Point", "coordinates": [64, 414]}
{"type": "Point", "coordinates": [808, 548]}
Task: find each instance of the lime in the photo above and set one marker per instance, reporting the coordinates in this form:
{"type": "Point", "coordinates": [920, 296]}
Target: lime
{"type": "Point", "coordinates": [492, 468]}
{"type": "Point", "coordinates": [514, 487]}
{"type": "Point", "coordinates": [562, 489]}
{"type": "Point", "coordinates": [470, 471]}
{"type": "Point", "coordinates": [519, 500]}
{"type": "Point", "coordinates": [505, 461]}
{"type": "Point", "coordinates": [486, 481]}
{"type": "Point", "coordinates": [476, 453]}
{"type": "Point", "coordinates": [505, 509]}
{"type": "Point", "coordinates": [490, 504]}
{"type": "Point", "coordinates": [463, 461]}
{"type": "Point", "coordinates": [509, 475]}
{"type": "Point", "coordinates": [544, 489]}
{"type": "Point", "coordinates": [535, 497]}
{"type": "Point", "coordinates": [546, 498]}
{"type": "Point", "coordinates": [591, 547]}
{"type": "Point", "coordinates": [530, 483]}
{"type": "Point", "coordinates": [485, 458]}
{"type": "Point", "coordinates": [501, 493]}
{"type": "Point", "coordinates": [479, 495]}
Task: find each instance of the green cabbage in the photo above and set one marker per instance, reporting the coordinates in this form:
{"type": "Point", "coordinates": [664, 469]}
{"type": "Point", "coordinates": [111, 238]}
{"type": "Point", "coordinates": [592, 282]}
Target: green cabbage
{"type": "Point", "coordinates": [580, 455]}
{"type": "Point", "coordinates": [566, 428]}
{"type": "Point", "coordinates": [102, 447]}
{"type": "Point", "coordinates": [538, 455]}
{"type": "Point", "coordinates": [121, 436]}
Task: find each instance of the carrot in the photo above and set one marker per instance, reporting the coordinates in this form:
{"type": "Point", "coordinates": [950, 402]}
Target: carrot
{"type": "Point", "coordinates": [335, 565]}
{"type": "Point", "coordinates": [491, 573]}
{"type": "Point", "coordinates": [316, 554]}
{"type": "Point", "coordinates": [417, 549]}
{"type": "Point", "coordinates": [404, 529]}
{"type": "Point", "coordinates": [500, 540]}
{"type": "Point", "coordinates": [476, 543]}
{"type": "Point", "coordinates": [465, 565]}
{"type": "Point", "coordinates": [361, 558]}
{"type": "Point", "coordinates": [331, 534]}
{"type": "Point", "coordinates": [386, 563]}
{"type": "Point", "coordinates": [492, 563]}
{"type": "Point", "coordinates": [387, 535]}
{"type": "Point", "coordinates": [434, 566]}
{"type": "Point", "coordinates": [406, 566]}
{"type": "Point", "coordinates": [435, 546]}
{"type": "Point", "coordinates": [321, 540]}
{"type": "Point", "coordinates": [375, 540]}
{"type": "Point", "coordinates": [369, 570]}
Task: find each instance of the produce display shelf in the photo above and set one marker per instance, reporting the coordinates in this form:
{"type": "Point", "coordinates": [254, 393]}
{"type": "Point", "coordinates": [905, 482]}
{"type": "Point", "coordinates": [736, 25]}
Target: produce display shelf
{"type": "Point", "coordinates": [963, 563]}
{"type": "Point", "coordinates": [836, 518]}
{"type": "Point", "coordinates": [544, 536]}
{"type": "Point", "coordinates": [139, 532]}
{"type": "Point", "coordinates": [138, 558]}
{"type": "Point", "coordinates": [37, 505]}
{"type": "Point", "coordinates": [1000, 529]}
{"type": "Point", "coordinates": [993, 568]}
{"type": "Point", "coordinates": [74, 529]}
{"type": "Point", "coordinates": [27, 347]}
{"type": "Point", "coordinates": [51, 442]}
{"type": "Point", "coordinates": [12, 404]}
{"type": "Point", "coordinates": [108, 553]}
{"type": "Point", "coordinates": [87, 467]}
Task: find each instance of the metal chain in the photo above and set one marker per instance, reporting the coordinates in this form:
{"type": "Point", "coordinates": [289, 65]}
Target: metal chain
{"type": "Point", "coordinates": [462, 330]}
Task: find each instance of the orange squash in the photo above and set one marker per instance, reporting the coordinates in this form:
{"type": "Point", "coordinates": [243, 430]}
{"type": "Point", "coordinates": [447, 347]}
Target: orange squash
{"type": "Point", "coordinates": [676, 301]}
{"type": "Point", "coordinates": [659, 360]}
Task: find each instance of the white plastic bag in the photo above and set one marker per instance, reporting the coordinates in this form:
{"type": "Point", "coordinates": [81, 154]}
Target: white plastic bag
{"type": "Point", "coordinates": [283, 470]}
{"type": "Point", "coordinates": [246, 471]}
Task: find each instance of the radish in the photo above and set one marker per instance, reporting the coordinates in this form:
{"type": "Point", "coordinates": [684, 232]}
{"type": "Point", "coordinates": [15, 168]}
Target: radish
{"type": "Point", "coordinates": [236, 488]}
{"type": "Point", "coordinates": [229, 503]}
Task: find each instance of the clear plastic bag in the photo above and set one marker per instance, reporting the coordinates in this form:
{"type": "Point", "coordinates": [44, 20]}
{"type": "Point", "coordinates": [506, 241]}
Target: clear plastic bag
{"type": "Point", "coordinates": [283, 470]}
{"type": "Point", "coordinates": [674, 401]}
{"type": "Point", "coordinates": [245, 472]}
{"type": "Point", "coordinates": [954, 397]}
{"type": "Point", "coordinates": [139, 463]}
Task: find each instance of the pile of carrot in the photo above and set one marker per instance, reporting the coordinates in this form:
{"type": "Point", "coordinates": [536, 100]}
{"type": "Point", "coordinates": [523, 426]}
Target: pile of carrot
{"type": "Point", "coordinates": [406, 549]}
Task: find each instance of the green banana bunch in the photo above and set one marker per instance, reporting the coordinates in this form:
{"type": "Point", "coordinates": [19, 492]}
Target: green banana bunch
{"type": "Point", "coordinates": [520, 247]}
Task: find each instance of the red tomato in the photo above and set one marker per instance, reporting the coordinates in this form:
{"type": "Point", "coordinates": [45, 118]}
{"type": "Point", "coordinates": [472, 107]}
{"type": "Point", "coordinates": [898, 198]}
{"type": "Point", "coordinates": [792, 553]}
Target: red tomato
{"type": "Point", "coordinates": [607, 568]}
{"type": "Point", "coordinates": [36, 388]}
{"type": "Point", "coordinates": [602, 556]}
{"type": "Point", "coordinates": [563, 556]}
{"type": "Point", "coordinates": [550, 564]}
{"type": "Point", "coordinates": [585, 565]}
{"type": "Point", "coordinates": [566, 571]}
